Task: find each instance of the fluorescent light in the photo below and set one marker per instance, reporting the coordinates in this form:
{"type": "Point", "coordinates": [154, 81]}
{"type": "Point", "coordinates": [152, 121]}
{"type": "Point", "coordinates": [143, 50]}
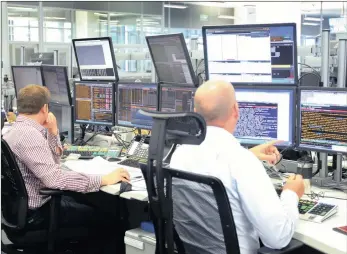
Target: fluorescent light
{"type": "Point", "coordinates": [100, 14]}
{"type": "Point", "coordinates": [21, 8]}
{"type": "Point", "coordinates": [57, 18]}
{"type": "Point", "coordinates": [175, 6]}
{"type": "Point", "coordinates": [226, 17]}
{"type": "Point", "coordinates": [310, 24]}
{"type": "Point", "coordinates": [312, 19]}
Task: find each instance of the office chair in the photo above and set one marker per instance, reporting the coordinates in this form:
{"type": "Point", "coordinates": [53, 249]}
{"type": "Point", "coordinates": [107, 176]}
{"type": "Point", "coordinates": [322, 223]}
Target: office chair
{"type": "Point", "coordinates": [21, 227]}
{"type": "Point", "coordinates": [183, 205]}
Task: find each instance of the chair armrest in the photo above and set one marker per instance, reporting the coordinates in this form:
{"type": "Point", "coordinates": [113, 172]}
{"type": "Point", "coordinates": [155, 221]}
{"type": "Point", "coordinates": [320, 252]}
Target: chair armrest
{"type": "Point", "coordinates": [51, 192]}
{"type": "Point", "coordinates": [292, 246]}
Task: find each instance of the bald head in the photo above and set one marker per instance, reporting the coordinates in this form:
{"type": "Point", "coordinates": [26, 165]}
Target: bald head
{"type": "Point", "coordinates": [216, 101]}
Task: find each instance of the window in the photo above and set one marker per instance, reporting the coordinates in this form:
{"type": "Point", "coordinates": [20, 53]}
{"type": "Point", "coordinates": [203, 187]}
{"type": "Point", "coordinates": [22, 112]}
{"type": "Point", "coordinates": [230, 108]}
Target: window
{"type": "Point", "coordinates": [57, 25]}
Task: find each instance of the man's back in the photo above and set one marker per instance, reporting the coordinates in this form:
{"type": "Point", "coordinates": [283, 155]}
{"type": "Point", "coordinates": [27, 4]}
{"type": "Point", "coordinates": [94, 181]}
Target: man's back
{"type": "Point", "coordinates": [249, 189]}
{"type": "Point", "coordinates": [22, 133]}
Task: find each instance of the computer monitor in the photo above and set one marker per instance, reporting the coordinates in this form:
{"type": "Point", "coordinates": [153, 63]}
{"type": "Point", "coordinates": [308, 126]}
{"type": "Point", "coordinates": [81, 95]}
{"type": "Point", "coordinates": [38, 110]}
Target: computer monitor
{"type": "Point", "coordinates": [95, 59]}
{"type": "Point", "coordinates": [171, 59]}
{"type": "Point", "coordinates": [131, 98]}
{"type": "Point", "coordinates": [266, 113]}
{"type": "Point", "coordinates": [176, 99]}
{"type": "Point", "coordinates": [322, 124]}
{"type": "Point", "coordinates": [26, 75]}
{"type": "Point", "coordinates": [264, 54]}
{"type": "Point", "coordinates": [55, 78]}
{"type": "Point", "coordinates": [94, 103]}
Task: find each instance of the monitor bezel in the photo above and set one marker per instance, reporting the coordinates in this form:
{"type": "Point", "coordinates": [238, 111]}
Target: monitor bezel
{"type": "Point", "coordinates": [24, 66]}
{"type": "Point", "coordinates": [294, 112]}
{"type": "Point", "coordinates": [298, 134]}
{"type": "Point", "coordinates": [117, 105]}
{"type": "Point", "coordinates": [112, 56]}
{"type": "Point", "coordinates": [186, 54]}
{"type": "Point", "coordinates": [171, 87]}
{"type": "Point", "coordinates": [113, 103]}
{"type": "Point", "coordinates": [295, 64]}
{"type": "Point", "coordinates": [66, 81]}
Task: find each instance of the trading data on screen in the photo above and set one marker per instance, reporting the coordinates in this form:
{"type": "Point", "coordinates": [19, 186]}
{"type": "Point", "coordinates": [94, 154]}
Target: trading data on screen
{"type": "Point", "coordinates": [323, 120]}
{"type": "Point", "coordinates": [265, 115]}
{"type": "Point", "coordinates": [23, 76]}
{"type": "Point", "coordinates": [94, 103]}
{"type": "Point", "coordinates": [95, 59]}
{"type": "Point", "coordinates": [177, 99]}
{"type": "Point", "coordinates": [132, 98]}
{"type": "Point", "coordinates": [252, 54]}
{"type": "Point", "coordinates": [56, 80]}
{"type": "Point", "coordinates": [170, 60]}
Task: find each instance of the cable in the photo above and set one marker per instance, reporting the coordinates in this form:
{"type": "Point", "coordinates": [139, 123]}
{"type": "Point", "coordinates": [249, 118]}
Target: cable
{"type": "Point", "coordinates": [310, 68]}
{"type": "Point", "coordinates": [309, 73]}
{"type": "Point", "coordinates": [197, 66]}
{"type": "Point", "coordinates": [321, 194]}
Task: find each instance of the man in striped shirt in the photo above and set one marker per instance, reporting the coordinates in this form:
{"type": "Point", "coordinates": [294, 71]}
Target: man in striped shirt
{"type": "Point", "coordinates": [34, 140]}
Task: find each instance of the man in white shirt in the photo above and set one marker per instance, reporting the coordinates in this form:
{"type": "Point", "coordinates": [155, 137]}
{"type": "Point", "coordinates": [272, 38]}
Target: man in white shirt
{"type": "Point", "coordinates": [258, 211]}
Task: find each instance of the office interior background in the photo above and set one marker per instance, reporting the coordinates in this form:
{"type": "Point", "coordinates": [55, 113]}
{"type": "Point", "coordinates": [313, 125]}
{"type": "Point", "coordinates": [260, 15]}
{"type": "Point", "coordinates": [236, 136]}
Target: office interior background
{"type": "Point", "coordinates": [47, 26]}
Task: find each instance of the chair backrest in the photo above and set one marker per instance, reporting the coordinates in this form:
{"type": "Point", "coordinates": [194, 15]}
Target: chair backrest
{"type": "Point", "coordinates": [202, 216]}
{"type": "Point", "coordinates": [200, 213]}
{"type": "Point", "coordinates": [14, 196]}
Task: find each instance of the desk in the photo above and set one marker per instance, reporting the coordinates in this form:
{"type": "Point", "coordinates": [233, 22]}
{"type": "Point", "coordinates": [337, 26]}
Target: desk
{"type": "Point", "coordinates": [318, 236]}
{"type": "Point", "coordinates": [321, 237]}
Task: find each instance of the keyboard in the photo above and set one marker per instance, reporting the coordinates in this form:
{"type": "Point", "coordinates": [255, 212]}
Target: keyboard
{"type": "Point", "coordinates": [130, 163]}
{"type": "Point", "coordinates": [89, 152]}
{"type": "Point", "coordinates": [315, 211]}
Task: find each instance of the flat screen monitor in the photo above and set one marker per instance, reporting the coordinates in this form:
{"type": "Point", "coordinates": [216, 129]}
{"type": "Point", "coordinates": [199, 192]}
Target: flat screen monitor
{"type": "Point", "coordinates": [266, 113]}
{"type": "Point", "coordinates": [171, 59]}
{"type": "Point", "coordinates": [131, 98]}
{"type": "Point", "coordinates": [95, 59]}
{"type": "Point", "coordinates": [94, 103]}
{"type": "Point", "coordinates": [176, 99]}
{"type": "Point", "coordinates": [26, 75]}
{"type": "Point", "coordinates": [55, 78]}
{"type": "Point", "coordinates": [251, 54]}
{"type": "Point", "coordinates": [322, 117]}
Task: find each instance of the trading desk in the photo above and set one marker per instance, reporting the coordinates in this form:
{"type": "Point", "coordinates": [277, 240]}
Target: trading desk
{"type": "Point", "coordinates": [318, 236]}
{"type": "Point", "coordinates": [321, 237]}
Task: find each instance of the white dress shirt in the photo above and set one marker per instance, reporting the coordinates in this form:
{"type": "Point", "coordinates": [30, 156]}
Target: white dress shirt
{"type": "Point", "coordinates": [258, 211]}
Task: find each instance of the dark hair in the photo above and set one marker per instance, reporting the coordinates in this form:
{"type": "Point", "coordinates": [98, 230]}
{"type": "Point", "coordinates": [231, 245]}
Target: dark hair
{"type": "Point", "coordinates": [32, 98]}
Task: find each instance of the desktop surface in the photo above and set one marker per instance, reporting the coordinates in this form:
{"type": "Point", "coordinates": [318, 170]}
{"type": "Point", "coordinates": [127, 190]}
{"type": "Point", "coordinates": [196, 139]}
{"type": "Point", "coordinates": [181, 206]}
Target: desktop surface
{"type": "Point", "coordinates": [131, 98]}
{"type": "Point", "coordinates": [323, 120]}
{"type": "Point", "coordinates": [266, 113]}
{"type": "Point", "coordinates": [171, 59]}
{"type": "Point", "coordinates": [251, 54]}
{"type": "Point", "coordinates": [56, 80]}
{"type": "Point", "coordinates": [95, 59]}
{"type": "Point", "coordinates": [26, 75]}
{"type": "Point", "coordinates": [176, 99]}
{"type": "Point", "coordinates": [94, 103]}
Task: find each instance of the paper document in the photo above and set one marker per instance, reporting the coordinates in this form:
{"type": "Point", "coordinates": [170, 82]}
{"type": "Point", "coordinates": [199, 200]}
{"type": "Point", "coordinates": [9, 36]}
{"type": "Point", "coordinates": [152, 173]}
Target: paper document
{"type": "Point", "coordinates": [99, 166]}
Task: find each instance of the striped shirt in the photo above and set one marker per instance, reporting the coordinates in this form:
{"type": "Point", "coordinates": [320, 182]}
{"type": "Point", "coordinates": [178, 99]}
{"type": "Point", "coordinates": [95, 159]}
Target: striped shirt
{"type": "Point", "coordinates": [35, 152]}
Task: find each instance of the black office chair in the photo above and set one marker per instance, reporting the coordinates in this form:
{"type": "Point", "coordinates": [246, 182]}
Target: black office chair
{"type": "Point", "coordinates": [184, 205]}
{"type": "Point", "coordinates": [21, 227]}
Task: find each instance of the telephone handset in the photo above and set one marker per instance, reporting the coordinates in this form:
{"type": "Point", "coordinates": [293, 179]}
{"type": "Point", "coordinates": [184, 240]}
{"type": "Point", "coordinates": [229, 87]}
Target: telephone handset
{"type": "Point", "coordinates": [138, 149]}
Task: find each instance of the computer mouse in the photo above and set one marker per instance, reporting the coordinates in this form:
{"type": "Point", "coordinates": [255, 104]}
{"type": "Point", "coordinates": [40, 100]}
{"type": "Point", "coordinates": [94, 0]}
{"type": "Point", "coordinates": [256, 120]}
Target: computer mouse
{"type": "Point", "coordinates": [124, 187]}
{"type": "Point", "coordinates": [113, 159]}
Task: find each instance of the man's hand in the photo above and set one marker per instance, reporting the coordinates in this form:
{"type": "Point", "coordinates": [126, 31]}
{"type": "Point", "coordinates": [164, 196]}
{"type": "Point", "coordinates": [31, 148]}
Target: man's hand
{"type": "Point", "coordinates": [267, 152]}
{"type": "Point", "coordinates": [295, 183]}
{"type": "Point", "coordinates": [51, 124]}
{"type": "Point", "coordinates": [115, 177]}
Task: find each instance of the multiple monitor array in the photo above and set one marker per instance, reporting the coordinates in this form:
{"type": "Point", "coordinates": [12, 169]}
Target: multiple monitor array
{"type": "Point", "coordinates": [55, 78]}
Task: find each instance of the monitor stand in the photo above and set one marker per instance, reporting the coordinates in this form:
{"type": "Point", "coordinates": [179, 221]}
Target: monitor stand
{"type": "Point", "coordinates": [322, 179]}
{"type": "Point", "coordinates": [338, 182]}
{"type": "Point", "coordinates": [64, 116]}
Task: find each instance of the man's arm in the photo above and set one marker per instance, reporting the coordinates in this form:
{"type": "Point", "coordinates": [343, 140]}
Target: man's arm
{"type": "Point", "coordinates": [55, 145]}
{"type": "Point", "coordinates": [274, 219]}
{"type": "Point", "coordinates": [35, 153]}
